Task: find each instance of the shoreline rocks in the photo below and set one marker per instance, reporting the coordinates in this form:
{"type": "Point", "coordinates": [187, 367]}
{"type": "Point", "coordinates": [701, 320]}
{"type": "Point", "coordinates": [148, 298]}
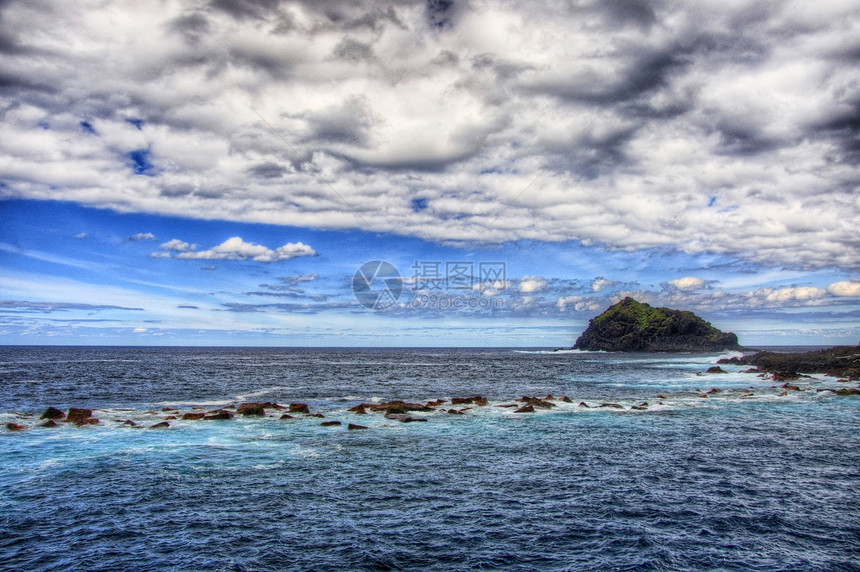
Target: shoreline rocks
{"type": "Point", "coordinates": [838, 361]}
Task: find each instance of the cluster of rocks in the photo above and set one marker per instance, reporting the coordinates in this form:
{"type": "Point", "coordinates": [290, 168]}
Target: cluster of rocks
{"type": "Point", "coordinates": [396, 410]}
{"type": "Point", "coordinates": [840, 361]}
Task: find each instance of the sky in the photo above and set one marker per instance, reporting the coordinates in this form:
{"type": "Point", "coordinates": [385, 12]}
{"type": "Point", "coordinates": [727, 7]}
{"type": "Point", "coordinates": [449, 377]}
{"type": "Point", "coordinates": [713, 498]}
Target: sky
{"type": "Point", "coordinates": [442, 173]}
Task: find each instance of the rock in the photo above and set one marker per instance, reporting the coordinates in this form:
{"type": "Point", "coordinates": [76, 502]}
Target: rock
{"type": "Point", "coordinates": [584, 404]}
{"type": "Point", "coordinates": [287, 416]}
{"type": "Point", "coordinates": [395, 409]}
{"type": "Point", "coordinates": [435, 403]}
{"type": "Point", "coordinates": [715, 369]}
{"type": "Point", "coordinates": [474, 400]}
{"type": "Point", "coordinates": [638, 408]}
{"type": "Point", "coordinates": [317, 415]}
{"type": "Point", "coordinates": [507, 405]}
{"type": "Point", "coordinates": [525, 409]}
{"type": "Point", "coordinates": [784, 375]}
{"type": "Point", "coordinates": [53, 413]}
{"type": "Point", "coordinates": [612, 405]}
{"type": "Point", "coordinates": [404, 418]}
{"type": "Point", "coordinates": [50, 423]}
{"type": "Point", "coordinates": [751, 370]}
{"type": "Point", "coordinates": [299, 408]}
{"type": "Point", "coordinates": [166, 409]}
{"type": "Point", "coordinates": [219, 416]}
{"type": "Point", "coordinates": [848, 391]}
{"type": "Point", "coordinates": [162, 425]}
{"type": "Point", "coordinates": [455, 412]}
{"type": "Point", "coordinates": [78, 415]}
{"type": "Point", "coordinates": [354, 427]}
{"type": "Point", "coordinates": [171, 417]}
{"type": "Point", "coordinates": [195, 416]}
{"type": "Point", "coordinates": [359, 409]}
{"type": "Point", "coordinates": [661, 396]}
{"type": "Point", "coordinates": [715, 390]}
{"type": "Point", "coordinates": [330, 423]}
{"type": "Point", "coordinates": [130, 423]}
{"type": "Point", "coordinates": [565, 399]}
{"type": "Point", "coordinates": [790, 387]}
{"type": "Point", "coordinates": [536, 402]}
{"type": "Point", "coordinates": [248, 409]}
{"type": "Point", "coordinates": [549, 397]}
{"type": "Point", "coordinates": [631, 326]}
{"type": "Point", "coordinates": [15, 427]}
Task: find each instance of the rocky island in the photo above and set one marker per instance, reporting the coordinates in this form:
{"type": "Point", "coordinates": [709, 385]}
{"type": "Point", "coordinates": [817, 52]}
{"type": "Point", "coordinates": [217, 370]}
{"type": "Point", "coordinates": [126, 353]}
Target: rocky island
{"type": "Point", "coordinates": [633, 326]}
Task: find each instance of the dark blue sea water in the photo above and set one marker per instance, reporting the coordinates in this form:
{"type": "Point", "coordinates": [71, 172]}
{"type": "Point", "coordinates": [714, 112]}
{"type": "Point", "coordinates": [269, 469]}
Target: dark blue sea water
{"type": "Point", "coordinates": [744, 479]}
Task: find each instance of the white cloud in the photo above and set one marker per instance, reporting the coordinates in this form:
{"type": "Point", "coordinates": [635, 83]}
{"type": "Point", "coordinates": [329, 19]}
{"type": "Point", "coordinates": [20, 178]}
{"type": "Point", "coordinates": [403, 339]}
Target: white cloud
{"type": "Point", "coordinates": [141, 236]}
{"type": "Point", "coordinates": [579, 304]}
{"type": "Point", "coordinates": [844, 288]}
{"type": "Point", "coordinates": [532, 284]}
{"type": "Point", "coordinates": [600, 283]}
{"type": "Point", "coordinates": [176, 245]}
{"type": "Point", "coordinates": [688, 283]}
{"type": "Point", "coordinates": [790, 294]}
{"type": "Point", "coordinates": [237, 249]}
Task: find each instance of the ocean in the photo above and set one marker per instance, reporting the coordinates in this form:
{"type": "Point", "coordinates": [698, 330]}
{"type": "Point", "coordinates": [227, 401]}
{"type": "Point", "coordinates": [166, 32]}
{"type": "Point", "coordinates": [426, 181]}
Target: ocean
{"type": "Point", "coordinates": [709, 471]}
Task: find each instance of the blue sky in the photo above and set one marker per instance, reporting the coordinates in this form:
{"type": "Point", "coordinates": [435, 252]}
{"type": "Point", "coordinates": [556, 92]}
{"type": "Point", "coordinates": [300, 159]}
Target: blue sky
{"type": "Point", "coordinates": [215, 173]}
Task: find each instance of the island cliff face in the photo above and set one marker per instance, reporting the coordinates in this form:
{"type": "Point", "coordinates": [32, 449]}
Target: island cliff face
{"type": "Point", "coordinates": [631, 326]}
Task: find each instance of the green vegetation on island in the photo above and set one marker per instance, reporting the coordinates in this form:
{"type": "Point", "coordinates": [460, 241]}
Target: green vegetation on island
{"type": "Point", "coordinates": [633, 326]}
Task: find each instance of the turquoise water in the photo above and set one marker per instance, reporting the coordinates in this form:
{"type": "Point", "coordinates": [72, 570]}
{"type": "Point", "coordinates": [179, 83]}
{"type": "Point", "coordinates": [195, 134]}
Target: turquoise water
{"type": "Point", "coordinates": [729, 482]}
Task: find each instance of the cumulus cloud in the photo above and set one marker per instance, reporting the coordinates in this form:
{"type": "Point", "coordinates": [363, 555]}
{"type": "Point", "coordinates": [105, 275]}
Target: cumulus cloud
{"type": "Point", "coordinates": [789, 294]}
{"type": "Point", "coordinates": [176, 245]}
{"type": "Point", "coordinates": [141, 236]}
{"type": "Point", "coordinates": [687, 283]}
{"type": "Point", "coordinates": [237, 249]}
{"type": "Point", "coordinates": [600, 283]}
{"type": "Point", "coordinates": [580, 304]}
{"type": "Point", "coordinates": [728, 128]}
{"type": "Point", "coordinates": [532, 284]}
{"type": "Point", "coordinates": [844, 288]}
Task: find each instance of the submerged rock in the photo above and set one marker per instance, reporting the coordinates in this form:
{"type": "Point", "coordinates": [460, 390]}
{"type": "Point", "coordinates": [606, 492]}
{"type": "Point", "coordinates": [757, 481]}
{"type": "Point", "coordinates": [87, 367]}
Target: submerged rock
{"type": "Point", "coordinates": [354, 427]}
{"type": "Point", "coordinates": [50, 423]}
{"type": "Point", "coordinates": [15, 427]}
{"type": "Point", "coordinates": [330, 423]}
{"type": "Point", "coordinates": [162, 425]}
{"type": "Point", "coordinates": [612, 405]}
{"type": "Point", "coordinates": [632, 326]}
{"type": "Point", "coordinates": [405, 418]}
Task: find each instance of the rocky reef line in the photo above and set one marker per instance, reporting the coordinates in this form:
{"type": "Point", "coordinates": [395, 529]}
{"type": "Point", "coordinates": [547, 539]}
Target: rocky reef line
{"type": "Point", "coordinates": [399, 411]}
{"type": "Point", "coordinates": [839, 361]}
